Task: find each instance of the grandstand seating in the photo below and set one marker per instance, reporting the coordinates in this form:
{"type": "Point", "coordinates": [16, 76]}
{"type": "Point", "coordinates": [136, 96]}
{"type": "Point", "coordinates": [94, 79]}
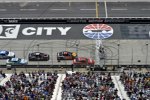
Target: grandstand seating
{"type": "Point", "coordinates": [137, 85]}
{"type": "Point", "coordinates": [80, 86]}
{"type": "Point", "coordinates": [75, 86]}
{"type": "Point", "coordinates": [34, 86]}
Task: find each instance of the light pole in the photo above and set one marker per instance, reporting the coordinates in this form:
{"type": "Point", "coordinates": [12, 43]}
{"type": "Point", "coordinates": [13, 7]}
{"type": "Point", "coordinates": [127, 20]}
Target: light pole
{"type": "Point", "coordinates": [52, 55]}
{"type": "Point", "coordinates": [38, 56]}
{"type": "Point", "coordinates": [77, 48]}
{"type": "Point", "coordinates": [72, 66]}
{"type": "Point", "coordinates": [24, 58]}
{"type": "Point", "coordinates": [132, 57]}
{"type": "Point", "coordinates": [146, 54]}
{"type": "Point", "coordinates": [118, 54]}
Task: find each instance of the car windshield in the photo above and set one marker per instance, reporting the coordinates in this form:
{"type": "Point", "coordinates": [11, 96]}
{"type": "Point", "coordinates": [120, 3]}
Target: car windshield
{"type": "Point", "coordinates": [4, 52]}
{"type": "Point", "coordinates": [65, 53]}
{"type": "Point", "coordinates": [14, 59]}
{"type": "Point", "coordinates": [37, 53]}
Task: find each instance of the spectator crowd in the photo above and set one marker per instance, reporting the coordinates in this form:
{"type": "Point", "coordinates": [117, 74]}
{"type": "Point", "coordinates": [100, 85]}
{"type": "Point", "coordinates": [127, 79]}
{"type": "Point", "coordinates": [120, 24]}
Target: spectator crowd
{"type": "Point", "coordinates": [39, 85]}
{"type": "Point", "coordinates": [89, 86]}
{"type": "Point", "coordinates": [32, 86]}
{"type": "Point", "coordinates": [137, 85]}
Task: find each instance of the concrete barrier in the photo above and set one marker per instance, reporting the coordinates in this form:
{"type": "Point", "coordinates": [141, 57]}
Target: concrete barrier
{"type": "Point", "coordinates": [74, 0]}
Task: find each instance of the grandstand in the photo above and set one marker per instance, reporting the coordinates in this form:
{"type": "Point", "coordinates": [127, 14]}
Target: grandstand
{"type": "Point", "coordinates": [75, 85]}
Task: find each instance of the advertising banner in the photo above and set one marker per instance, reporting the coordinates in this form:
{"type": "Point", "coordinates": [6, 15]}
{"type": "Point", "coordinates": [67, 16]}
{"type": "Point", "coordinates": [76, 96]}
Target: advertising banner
{"type": "Point", "coordinates": [74, 31]}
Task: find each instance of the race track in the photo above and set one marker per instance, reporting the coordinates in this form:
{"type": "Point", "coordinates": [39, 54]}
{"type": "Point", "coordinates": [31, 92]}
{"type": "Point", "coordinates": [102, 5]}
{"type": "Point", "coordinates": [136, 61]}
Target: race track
{"type": "Point", "coordinates": [74, 9]}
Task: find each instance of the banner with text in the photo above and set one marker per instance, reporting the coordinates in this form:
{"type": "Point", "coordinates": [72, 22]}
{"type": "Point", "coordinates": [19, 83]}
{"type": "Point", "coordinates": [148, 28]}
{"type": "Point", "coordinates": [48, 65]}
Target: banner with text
{"type": "Point", "coordinates": [74, 31]}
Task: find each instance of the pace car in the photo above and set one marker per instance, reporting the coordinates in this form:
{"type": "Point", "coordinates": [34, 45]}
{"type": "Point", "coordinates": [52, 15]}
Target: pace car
{"type": "Point", "coordinates": [38, 56]}
{"type": "Point", "coordinates": [16, 61]}
{"type": "Point", "coordinates": [65, 55]}
{"type": "Point", "coordinates": [6, 54]}
{"type": "Point", "coordinates": [83, 61]}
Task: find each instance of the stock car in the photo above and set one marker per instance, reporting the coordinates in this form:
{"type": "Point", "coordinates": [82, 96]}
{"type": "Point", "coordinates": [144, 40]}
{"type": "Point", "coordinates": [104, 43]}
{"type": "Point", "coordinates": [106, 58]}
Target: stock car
{"type": "Point", "coordinates": [6, 54]}
{"type": "Point", "coordinates": [65, 55]}
{"type": "Point", "coordinates": [16, 61]}
{"type": "Point", "coordinates": [38, 56]}
{"type": "Point", "coordinates": [83, 61]}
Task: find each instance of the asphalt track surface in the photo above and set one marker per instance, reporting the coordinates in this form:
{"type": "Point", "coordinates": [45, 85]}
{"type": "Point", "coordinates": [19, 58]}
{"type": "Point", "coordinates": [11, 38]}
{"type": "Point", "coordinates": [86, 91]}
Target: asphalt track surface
{"type": "Point", "coordinates": [74, 9]}
{"type": "Point", "coordinates": [136, 48]}
{"type": "Point", "coordinates": [22, 48]}
{"type": "Point", "coordinates": [130, 51]}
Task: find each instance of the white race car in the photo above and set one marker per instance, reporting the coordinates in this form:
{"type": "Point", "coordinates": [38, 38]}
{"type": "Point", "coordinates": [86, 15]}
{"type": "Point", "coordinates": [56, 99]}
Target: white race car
{"type": "Point", "coordinates": [6, 54]}
{"type": "Point", "coordinates": [16, 61]}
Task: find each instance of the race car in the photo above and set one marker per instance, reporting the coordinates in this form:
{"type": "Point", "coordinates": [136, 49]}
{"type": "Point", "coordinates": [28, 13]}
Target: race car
{"type": "Point", "coordinates": [6, 54]}
{"type": "Point", "coordinates": [16, 61]}
{"type": "Point", "coordinates": [38, 56]}
{"type": "Point", "coordinates": [83, 61]}
{"type": "Point", "coordinates": [65, 55]}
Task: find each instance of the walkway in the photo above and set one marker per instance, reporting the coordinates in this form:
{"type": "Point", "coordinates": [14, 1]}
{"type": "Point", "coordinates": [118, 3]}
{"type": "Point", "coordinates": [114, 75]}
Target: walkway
{"type": "Point", "coordinates": [5, 79]}
{"type": "Point", "coordinates": [120, 88]}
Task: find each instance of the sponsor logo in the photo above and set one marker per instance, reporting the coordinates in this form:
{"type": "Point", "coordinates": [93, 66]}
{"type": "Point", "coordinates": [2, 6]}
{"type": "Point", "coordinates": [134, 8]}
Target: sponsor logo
{"type": "Point", "coordinates": [98, 31]}
{"type": "Point", "coordinates": [12, 31]}
{"type": "Point", "coordinates": [44, 30]}
{"type": "Point", "coordinates": [9, 31]}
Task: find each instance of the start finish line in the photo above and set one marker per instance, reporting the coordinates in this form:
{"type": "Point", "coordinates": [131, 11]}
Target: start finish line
{"type": "Point", "coordinates": [98, 29]}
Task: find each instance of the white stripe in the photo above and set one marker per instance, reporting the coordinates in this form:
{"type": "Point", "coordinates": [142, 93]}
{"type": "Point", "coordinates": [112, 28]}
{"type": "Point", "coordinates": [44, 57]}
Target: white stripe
{"type": "Point", "coordinates": [28, 9]}
{"type": "Point", "coordinates": [117, 86]}
{"type": "Point", "coordinates": [2, 9]}
{"type": "Point", "coordinates": [145, 9]}
{"type": "Point", "coordinates": [106, 9]}
{"type": "Point", "coordinates": [119, 9]}
{"type": "Point", "coordinates": [58, 9]}
{"type": "Point", "coordinates": [87, 9]}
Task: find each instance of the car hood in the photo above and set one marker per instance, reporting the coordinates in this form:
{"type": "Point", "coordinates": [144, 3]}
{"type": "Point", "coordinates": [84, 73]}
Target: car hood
{"type": "Point", "coordinates": [11, 54]}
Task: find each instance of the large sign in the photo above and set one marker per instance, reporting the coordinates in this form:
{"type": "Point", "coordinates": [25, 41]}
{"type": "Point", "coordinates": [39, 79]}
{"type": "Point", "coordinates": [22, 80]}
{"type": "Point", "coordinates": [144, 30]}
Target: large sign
{"type": "Point", "coordinates": [98, 31]}
{"type": "Point", "coordinates": [74, 31]}
{"type": "Point", "coordinates": [17, 32]}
